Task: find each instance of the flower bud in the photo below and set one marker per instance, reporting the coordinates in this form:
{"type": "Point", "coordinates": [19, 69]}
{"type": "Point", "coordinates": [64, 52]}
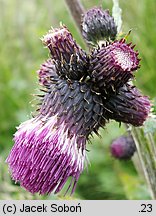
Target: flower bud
{"type": "Point", "coordinates": [112, 66]}
{"type": "Point", "coordinates": [128, 106]}
{"type": "Point", "coordinates": [70, 60]}
{"type": "Point", "coordinates": [97, 24]}
{"type": "Point", "coordinates": [123, 147]}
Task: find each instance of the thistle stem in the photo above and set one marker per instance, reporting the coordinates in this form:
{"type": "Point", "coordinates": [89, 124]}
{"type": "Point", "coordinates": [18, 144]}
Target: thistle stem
{"type": "Point", "coordinates": [76, 9]}
{"type": "Point", "coordinates": [146, 151]}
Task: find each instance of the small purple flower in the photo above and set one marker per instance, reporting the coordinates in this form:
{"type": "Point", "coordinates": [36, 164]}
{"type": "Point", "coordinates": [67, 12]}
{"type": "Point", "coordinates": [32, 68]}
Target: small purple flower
{"type": "Point", "coordinates": [112, 66]}
{"type": "Point", "coordinates": [98, 24]}
{"type": "Point", "coordinates": [123, 148]}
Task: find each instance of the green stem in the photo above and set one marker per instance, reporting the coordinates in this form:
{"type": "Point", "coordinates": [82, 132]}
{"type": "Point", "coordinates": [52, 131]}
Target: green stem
{"type": "Point", "coordinates": [76, 9]}
{"type": "Point", "coordinates": [145, 145]}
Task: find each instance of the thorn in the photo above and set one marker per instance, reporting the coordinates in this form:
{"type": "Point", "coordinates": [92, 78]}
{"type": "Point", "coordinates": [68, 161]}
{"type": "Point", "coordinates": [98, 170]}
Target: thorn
{"type": "Point", "coordinates": [43, 90]}
{"type": "Point", "coordinates": [38, 95]}
{"type": "Point", "coordinates": [112, 86]}
{"type": "Point", "coordinates": [129, 44]}
{"type": "Point", "coordinates": [122, 40]}
{"type": "Point", "coordinates": [132, 47]}
{"type": "Point", "coordinates": [112, 78]}
{"type": "Point", "coordinates": [127, 35]}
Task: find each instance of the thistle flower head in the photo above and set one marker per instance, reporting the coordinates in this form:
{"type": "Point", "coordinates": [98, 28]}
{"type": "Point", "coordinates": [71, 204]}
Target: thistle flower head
{"type": "Point", "coordinates": [81, 94]}
{"type": "Point", "coordinates": [123, 148]}
{"type": "Point", "coordinates": [111, 66]}
{"type": "Point", "coordinates": [70, 60]}
{"type": "Point", "coordinates": [50, 148]}
{"type": "Point", "coordinates": [98, 24]}
{"type": "Point", "coordinates": [128, 106]}
{"type": "Point", "coordinates": [43, 157]}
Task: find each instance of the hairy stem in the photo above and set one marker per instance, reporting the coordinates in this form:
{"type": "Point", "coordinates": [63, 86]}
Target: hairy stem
{"type": "Point", "coordinates": [147, 155]}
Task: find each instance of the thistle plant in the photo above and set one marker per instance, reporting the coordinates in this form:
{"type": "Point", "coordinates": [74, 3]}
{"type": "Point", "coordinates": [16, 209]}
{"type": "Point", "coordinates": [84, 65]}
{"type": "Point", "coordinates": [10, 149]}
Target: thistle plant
{"type": "Point", "coordinates": [82, 92]}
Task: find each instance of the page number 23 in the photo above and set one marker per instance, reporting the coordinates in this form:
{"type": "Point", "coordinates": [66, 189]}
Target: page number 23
{"type": "Point", "coordinates": [146, 208]}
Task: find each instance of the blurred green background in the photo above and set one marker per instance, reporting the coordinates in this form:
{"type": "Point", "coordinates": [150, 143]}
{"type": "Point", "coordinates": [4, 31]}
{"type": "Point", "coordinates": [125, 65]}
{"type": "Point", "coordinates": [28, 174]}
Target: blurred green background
{"type": "Point", "coordinates": [22, 24]}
